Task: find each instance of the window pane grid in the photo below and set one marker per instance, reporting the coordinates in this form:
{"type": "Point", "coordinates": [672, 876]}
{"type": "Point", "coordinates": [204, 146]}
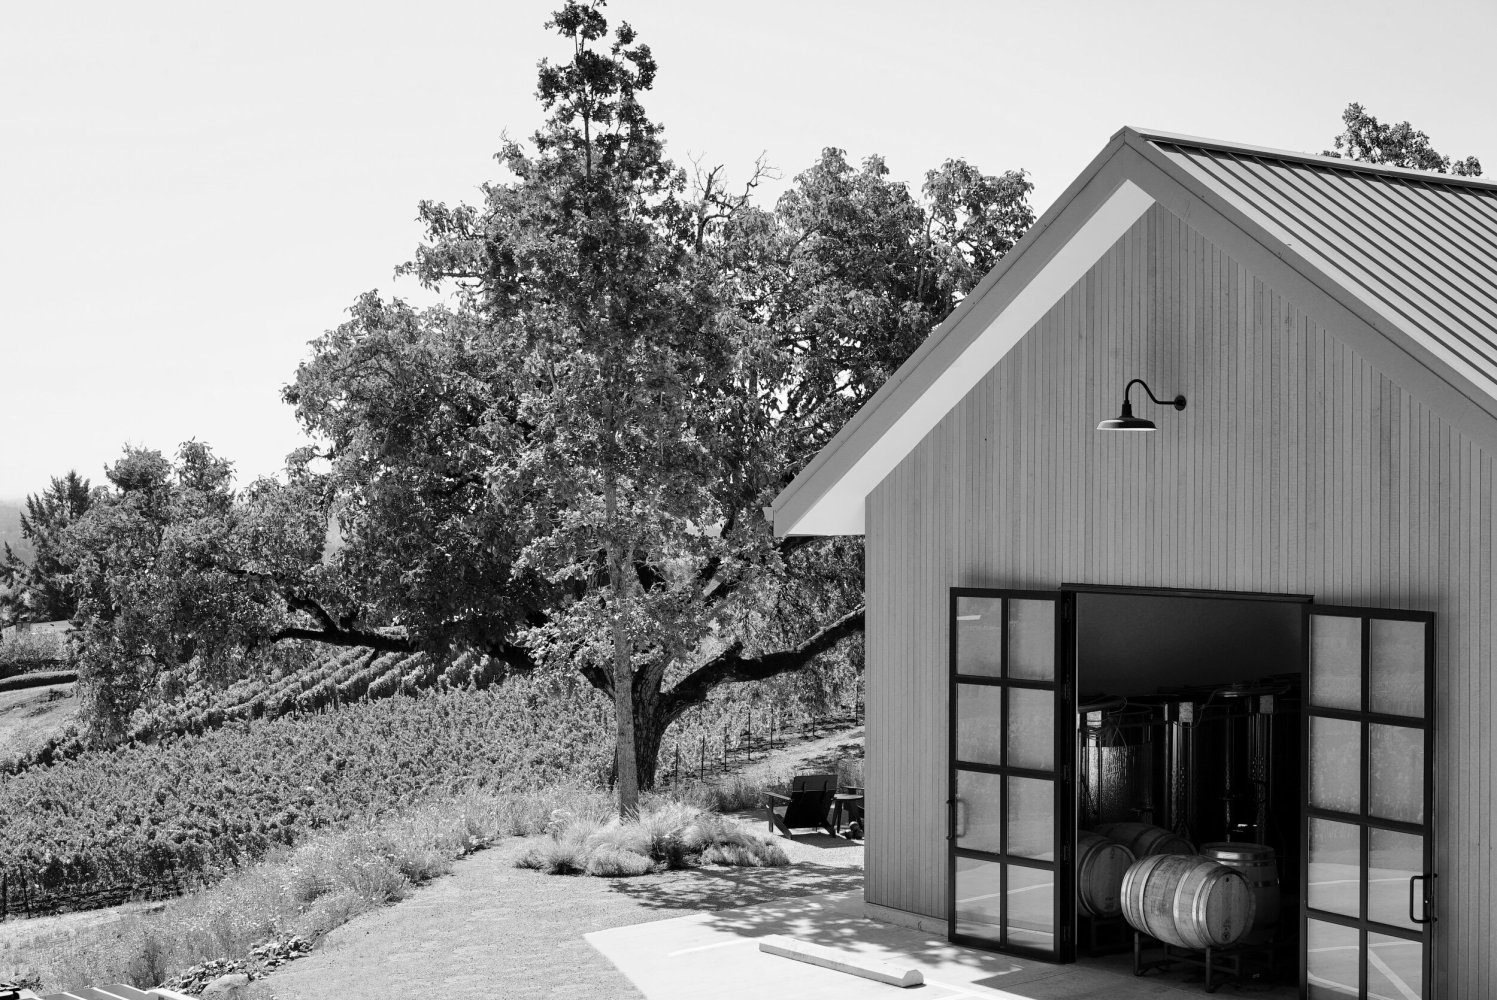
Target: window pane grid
{"type": "Point", "coordinates": [1015, 766]}
{"type": "Point", "coordinates": [1387, 718]}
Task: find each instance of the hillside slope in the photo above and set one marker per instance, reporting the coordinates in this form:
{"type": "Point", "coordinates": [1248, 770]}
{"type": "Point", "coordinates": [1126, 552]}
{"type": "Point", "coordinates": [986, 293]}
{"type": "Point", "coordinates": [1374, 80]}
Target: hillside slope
{"type": "Point", "coordinates": [32, 716]}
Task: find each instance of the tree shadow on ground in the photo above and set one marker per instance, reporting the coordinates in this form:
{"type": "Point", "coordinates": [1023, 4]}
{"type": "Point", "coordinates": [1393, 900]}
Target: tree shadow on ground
{"type": "Point", "coordinates": [718, 888]}
{"type": "Point", "coordinates": [838, 921]}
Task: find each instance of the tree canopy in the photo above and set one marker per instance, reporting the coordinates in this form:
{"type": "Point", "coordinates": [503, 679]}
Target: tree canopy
{"type": "Point", "coordinates": [1370, 141]}
{"type": "Point", "coordinates": [566, 465]}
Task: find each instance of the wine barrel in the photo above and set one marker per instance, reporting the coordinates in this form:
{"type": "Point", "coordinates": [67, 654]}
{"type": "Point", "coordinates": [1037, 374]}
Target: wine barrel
{"type": "Point", "coordinates": [1145, 840]}
{"type": "Point", "coordinates": [1100, 867]}
{"type": "Point", "coordinates": [1187, 901]}
{"type": "Point", "coordinates": [1256, 862]}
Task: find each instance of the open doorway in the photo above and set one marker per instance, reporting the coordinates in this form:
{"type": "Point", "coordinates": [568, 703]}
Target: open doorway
{"type": "Point", "coordinates": [1291, 741]}
{"type": "Point", "coordinates": [1188, 745]}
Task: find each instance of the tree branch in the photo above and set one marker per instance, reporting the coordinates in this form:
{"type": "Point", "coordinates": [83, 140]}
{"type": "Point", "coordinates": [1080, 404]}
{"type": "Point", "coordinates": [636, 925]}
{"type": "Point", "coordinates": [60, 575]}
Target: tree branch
{"type": "Point", "coordinates": [598, 678]}
{"type": "Point", "coordinates": [731, 666]}
{"type": "Point", "coordinates": [715, 591]}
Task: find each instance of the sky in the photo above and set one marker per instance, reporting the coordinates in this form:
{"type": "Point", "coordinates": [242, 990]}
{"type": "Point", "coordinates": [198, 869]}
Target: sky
{"type": "Point", "coordinates": [191, 192]}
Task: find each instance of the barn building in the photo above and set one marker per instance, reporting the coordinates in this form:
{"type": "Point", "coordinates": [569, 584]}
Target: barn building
{"type": "Point", "coordinates": [1268, 622]}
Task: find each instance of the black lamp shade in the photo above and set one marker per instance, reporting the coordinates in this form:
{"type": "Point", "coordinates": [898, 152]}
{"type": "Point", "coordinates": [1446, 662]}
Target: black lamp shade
{"type": "Point", "coordinates": [1126, 421]}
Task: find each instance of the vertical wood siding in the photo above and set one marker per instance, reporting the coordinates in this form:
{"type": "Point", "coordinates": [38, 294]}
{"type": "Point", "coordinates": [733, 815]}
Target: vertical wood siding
{"type": "Point", "coordinates": [1296, 468]}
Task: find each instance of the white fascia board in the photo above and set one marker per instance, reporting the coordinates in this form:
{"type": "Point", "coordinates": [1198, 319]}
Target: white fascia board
{"type": "Point", "coordinates": [839, 511]}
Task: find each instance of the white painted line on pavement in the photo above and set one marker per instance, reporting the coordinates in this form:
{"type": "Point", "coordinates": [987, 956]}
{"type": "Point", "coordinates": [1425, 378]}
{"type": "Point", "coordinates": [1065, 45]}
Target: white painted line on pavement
{"type": "Point", "coordinates": [709, 947]}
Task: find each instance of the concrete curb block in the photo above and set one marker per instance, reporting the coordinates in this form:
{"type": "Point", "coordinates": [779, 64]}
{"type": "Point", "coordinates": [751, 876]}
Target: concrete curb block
{"type": "Point", "coordinates": [841, 961]}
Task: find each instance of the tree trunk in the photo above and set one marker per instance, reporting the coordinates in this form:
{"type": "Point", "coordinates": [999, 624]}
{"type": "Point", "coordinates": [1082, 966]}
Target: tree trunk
{"type": "Point", "coordinates": [623, 660]}
{"type": "Point", "coordinates": [649, 731]}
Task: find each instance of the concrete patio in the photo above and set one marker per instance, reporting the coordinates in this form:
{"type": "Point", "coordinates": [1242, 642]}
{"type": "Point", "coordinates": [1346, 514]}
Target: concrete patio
{"type": "Point", "coordinates": [717, 953]}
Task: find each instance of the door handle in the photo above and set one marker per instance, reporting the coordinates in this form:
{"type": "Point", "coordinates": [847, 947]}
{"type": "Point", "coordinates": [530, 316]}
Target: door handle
{"type": "Point", "coordinates": [956, 827]}
{"type": "Point", "coordinates": [1424, 903]}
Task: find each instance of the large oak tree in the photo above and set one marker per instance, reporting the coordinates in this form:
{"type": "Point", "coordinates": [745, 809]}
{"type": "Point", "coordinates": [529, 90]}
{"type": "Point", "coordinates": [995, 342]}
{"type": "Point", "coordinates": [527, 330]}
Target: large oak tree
{"type": "Point", "coordinates": [565, 465]}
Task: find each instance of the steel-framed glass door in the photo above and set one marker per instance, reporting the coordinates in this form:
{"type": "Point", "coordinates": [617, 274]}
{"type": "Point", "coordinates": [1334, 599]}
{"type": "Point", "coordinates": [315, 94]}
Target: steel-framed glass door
{"type": "Point", "coordinates": [1367, 851]}
{"type": "Point", "coordinates": [1011, 743]}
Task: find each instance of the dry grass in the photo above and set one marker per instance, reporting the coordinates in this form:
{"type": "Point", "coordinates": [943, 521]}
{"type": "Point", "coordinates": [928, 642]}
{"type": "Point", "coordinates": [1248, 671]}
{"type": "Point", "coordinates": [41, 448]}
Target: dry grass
{"type": "Point", "coordinates": [329, 878]}
{"type": "Point", "coordinates": [305, 891]}
{"type": "Point", "coordinates": [734, 793]}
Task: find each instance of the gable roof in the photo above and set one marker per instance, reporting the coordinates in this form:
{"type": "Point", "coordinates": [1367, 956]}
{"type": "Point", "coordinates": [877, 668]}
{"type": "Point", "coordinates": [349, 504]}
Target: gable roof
{"type": "Point", "coordinates": [1402, 264]}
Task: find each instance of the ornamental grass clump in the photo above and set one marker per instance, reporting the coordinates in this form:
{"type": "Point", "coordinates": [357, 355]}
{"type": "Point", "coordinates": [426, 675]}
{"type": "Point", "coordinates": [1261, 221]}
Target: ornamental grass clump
{"type": "Point", "coordinates": [610, 862]}
{"type": "Point", "coordinates": [725, 843]}
{"type": "Point", "coordinates": [663, 837]}
{"type": "Point", "coordinates": [566, 846]}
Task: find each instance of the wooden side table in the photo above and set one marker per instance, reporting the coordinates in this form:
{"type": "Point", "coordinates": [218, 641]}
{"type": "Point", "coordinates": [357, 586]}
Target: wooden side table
{"type": "Point", "coordinates": [852, 802]}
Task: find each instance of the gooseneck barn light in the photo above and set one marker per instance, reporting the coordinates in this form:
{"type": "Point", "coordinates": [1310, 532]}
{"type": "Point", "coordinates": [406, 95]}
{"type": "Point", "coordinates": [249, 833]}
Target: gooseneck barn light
{"type": "Point", "coordinates": [1126, 421]}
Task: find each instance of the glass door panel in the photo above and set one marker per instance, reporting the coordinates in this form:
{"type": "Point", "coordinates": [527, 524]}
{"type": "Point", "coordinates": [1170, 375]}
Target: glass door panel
{"type": "Point", "coordinates": [1031, 729]}
{"type": "Point", "coordinates": [1031, 639]}
{"type": "Point", "coordinates": [1397, 681]}
{"type": "Point", "coordinates": [1031, 908]}
{"type": "Point", "coordinates": [1008, 816]}
{"type": "Point", "coordinates": [979, 723]}
{"type": "Point", "coordinates": [1335, 864]}
{"type": "Point", "coordinates": [1031, 818]}
{"type": "Point", "coordinates": [1393, 860]}
{"type": "Point", "coordinates": [1336, 749]}
{"type": "Point", "coordinates": [1333, 966]}
{"type": "Point", "coordinates": [1368, 848]}
{"type": "Point", "coordinates": [1395, 967]}
{"type": "Point", "coordinates": [979, 822]}
{"type": "Point", "coordinates": [1395, 772]}
{"type": "Point", "coordinates": [978, 903]}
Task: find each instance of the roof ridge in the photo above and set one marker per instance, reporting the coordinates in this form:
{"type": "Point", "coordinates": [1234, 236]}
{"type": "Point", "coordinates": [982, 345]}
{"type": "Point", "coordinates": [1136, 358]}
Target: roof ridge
{"type": "Point", "coordinates": [1309, 159]}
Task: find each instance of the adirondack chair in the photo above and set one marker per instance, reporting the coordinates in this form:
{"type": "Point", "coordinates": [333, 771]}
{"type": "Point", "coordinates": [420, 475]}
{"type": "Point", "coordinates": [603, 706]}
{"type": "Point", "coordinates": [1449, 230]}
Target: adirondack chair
{"type": "Point", "coordinates": [806, 806]}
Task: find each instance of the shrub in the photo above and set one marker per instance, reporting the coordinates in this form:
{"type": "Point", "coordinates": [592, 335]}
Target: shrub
{"type": "Point", "coordinates": [624, 837]}
{"type": "Point", "coordinates": [555, 857]}
{"type": "Point", "coordinates": [610, 862]}
{"type": "Point", "coordinates": [149, 965]}
{"type": "Point", "coordinates": [746, 854]}
{"type": "Point", "coordinates": [665, 835]}
{"type": "Point", "coordinates": [706, 829]}
{"type": "Point", "coordinates": [662, 828]}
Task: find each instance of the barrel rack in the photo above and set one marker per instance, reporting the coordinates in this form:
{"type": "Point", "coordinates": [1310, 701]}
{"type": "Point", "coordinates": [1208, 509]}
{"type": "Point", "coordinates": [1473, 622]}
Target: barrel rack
{"type": "Point", "coordinates": [1238, 964]}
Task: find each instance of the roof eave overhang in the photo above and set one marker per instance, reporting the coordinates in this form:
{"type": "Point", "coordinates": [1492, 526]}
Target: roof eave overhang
{"type": "Point", "coordinates": [827, 497]}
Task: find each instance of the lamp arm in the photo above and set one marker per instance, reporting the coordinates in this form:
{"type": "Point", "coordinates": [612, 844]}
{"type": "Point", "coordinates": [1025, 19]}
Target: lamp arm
{"type": "Point", "coordinates": [1178, 402]}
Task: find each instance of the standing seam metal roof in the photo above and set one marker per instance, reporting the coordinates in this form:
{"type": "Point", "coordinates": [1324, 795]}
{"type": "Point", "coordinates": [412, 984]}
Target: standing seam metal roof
{"type": "Point", "coordinates": [1420, 249]}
